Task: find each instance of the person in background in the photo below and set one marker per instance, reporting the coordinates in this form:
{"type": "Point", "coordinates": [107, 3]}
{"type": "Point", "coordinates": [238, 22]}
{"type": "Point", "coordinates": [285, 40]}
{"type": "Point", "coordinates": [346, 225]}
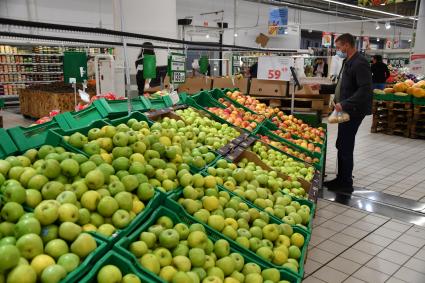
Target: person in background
{"type": "Point", "coordinates": [353, 94]}
{"type": "Point", "coordinates": [320, 68]}
{"type": "Point", "coordinates": [380, 72]}
{"type": "Point", "coordinates": [143, 84]}
{"type": "Point", "coordinates": [253, 70]}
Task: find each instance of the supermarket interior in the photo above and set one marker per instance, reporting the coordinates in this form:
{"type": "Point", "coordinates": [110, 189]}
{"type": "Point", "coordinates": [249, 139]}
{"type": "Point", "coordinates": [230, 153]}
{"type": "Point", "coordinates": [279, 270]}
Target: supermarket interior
{"type": "Point", "coordinates": [212, 141]}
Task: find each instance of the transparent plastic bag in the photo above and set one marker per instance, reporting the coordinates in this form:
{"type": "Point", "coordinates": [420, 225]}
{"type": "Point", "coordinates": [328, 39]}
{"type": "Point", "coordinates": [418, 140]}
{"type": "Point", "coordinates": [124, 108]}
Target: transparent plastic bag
{"type": "Point", "coordinates": [338, 117]}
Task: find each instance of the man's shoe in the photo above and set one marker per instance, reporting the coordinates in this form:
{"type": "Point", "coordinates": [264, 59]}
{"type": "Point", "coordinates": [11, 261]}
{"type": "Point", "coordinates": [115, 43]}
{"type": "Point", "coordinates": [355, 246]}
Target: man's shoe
{"type": "Point", "coordinates": [331, 184]}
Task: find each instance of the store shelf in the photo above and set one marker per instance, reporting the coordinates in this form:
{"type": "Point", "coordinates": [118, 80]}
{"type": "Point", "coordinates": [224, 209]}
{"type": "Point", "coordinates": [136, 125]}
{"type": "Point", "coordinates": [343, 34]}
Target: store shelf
{"type": "Point", "coordinates": [52, 64]}
{"type": "Point", "coordinates": [31, 54]}
{"type": "Point", "coordinates": [30, 73]}
{"type": "Point", "coordinates": [30, 82]}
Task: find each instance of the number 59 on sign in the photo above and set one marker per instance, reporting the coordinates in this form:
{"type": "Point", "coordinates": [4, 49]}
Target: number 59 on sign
{"type": "Point", "coordinates": [274, 68]}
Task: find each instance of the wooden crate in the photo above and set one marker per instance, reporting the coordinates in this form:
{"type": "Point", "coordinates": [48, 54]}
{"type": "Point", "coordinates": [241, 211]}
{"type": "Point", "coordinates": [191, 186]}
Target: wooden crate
{"type": "Point", "coordinates": [38, 103]}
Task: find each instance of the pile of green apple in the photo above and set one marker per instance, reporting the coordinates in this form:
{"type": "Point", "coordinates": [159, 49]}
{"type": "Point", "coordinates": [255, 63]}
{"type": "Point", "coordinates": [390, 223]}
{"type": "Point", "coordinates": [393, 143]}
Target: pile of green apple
{"type": "Point", "coordinates": [250, 227]}
{"type": "Point", "coordinates": [262, 188]}
{"type": "Point", "coordinates": [34, 252]}
{"type": "Point", "coordinates": [207, 131]}
{"type": "Point", "coordinates": [180, 253]}
{"type": "Point", "coordinates": [111, 273]}
{"type": "Point", "coordinates": [63, 187]}
{"type": "Point", "coordinates": [283, 163]}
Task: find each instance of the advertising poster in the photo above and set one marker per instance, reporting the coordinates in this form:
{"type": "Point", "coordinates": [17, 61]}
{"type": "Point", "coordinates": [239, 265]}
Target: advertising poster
{"type": "Point", "coordinates": [278, 17]}
{"type": "Point", "coordinates": [326, 39]}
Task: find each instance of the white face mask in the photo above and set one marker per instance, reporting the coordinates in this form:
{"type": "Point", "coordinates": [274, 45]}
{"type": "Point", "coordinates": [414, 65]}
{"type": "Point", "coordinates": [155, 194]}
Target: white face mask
{"type": "Point", "coordinates": [341, 54]}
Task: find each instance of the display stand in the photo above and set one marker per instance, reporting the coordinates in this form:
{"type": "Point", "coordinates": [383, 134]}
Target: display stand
{"type": "Point", "coordinates": [296, 85]}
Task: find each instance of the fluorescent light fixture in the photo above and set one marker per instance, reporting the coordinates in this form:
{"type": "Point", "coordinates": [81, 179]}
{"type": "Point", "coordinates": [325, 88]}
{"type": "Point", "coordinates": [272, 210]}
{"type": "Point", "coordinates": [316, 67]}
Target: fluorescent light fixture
{"type": "Point", "coordinates": [387, 25]}
{"type": "Point", "coordinates": [378, 39]}
{"type": "Point", "coordinates": [207, 36]}
{"type": "Point", "coordinates": [235, 35]}
{"type": "Point", "coordinates": [410, 40]}
{"type": "Point", "coordinates": [363, 8]}
{"type": "Point", "coordinates": [377, 26]}
{"type": "Point", "coordinates": [286, 32]}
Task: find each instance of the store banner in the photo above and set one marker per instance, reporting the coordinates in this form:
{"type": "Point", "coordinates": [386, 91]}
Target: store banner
{"type": "Point", "coordinates": [276, 68]}
{"type": "Point", "coordinates": [278, 18]}
{"type": "Point", "coordinates": [326, 39]}
{"type": "Point", "coordinates": [417, 64]}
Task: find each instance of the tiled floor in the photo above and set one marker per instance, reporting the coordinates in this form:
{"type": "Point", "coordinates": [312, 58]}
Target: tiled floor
{"type": "Point", "coordinates": [351, 245]}
{"type": "Point", "coordinates": [390, 164]}
{"type": "Point", "coordinates": [11, 119]}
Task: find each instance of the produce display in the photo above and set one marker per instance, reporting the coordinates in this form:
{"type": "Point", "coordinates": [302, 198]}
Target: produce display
{"type": "Point", "coordinates": [290, 150]}
{"type": "Point", "coordinates": [264, 189]}
{"type": "Point", "coordinates": [177, 252]}
{"type": "Point", "coordinates": [408, 87]}
{"type": "Point", "coordinates": [251, 103]}
{"type": "Point", "coordinates": [248, 226]}
{"type": "Point", "coordinates": [237, 116]}
{"type": "Point", "coordinates": [63, 210]}
{"type": "Point", "coordinates": [282, 163]}
{"type": "Point", "coordinates": [287, 136]}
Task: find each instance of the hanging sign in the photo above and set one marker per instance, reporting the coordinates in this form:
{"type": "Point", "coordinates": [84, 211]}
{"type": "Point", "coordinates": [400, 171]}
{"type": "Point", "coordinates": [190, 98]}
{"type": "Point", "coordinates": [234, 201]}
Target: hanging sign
{"type": "Point", "coordinates": [74, 67]}
{"type": "Point", "coordinates": [366, 43]}
{"type": "Point", "coordinates": [278, 19]}
{"type": "Point", "coordinates": [326, 39]}
{"type": "Point", "coordinates": [417, 64]}
{"type": "Point", "coordinates": [274, 68]}
{"type": "Point", "coordinates": [177, 68]}
{"type": "Point", "coordinates": [203, 65]}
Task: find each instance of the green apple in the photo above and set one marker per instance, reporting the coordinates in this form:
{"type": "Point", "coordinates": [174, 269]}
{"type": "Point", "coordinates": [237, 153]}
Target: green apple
{"type": "Point", "coordinates": [95, 179]}
{"type": "Point", "coordinates": [294, 252]}
{"type": "Point", "coordinates": [47, 212]}
{"type": "Point", "coordinates": [238, 260]}
{"type": "Point", "coordinates": [182, 263]}
{"type": "Point", "coordinates": [226, 264]}
{"type": "Point", "coordinates": [138, 248]}
{"type": "Point", "coordinates": [14, 193]}
{"type": "Point", "coordinates": [121, 218]}
{"type": "Point", "coordinates": [149, 238]}
{"type": "Point", "coordinates": [96, 219]}
{"type": "Point", "coordinates": [84, 216]}
{"type": "Point", "coordinates": [53, 274]}
{"type": "Point", "coordinates": [83, 245]}
{"type": "Point", "coordinates": [12, 211]}
{"type": "Point", "coordinates": [151, 263]}
{"type": "Point", "coordinates": [130, 182]}
{"type": "Point", "coordinates": [107, 206]}
{"type": "Point", "coordinates": [50, 168]}
{"type": "Point", "coordinates": [221, 248]}
{"type": "Point", "coordinates": [69, 167]}
{"type": "Point", "coordinates": [214, 272]}
{"type": "Point", "coordinates": [10, 257]}
{"type": "Point", "coordinates": [49, 232]}
{"type": "Point", "coordinates": [27, 226]}
{"type": "Point", "coordinates": [116, 187]}
{"type": "Point", "coordinates": [197, 239]}
{"type": "Point", "coordinates": [86, 167]}
{"type": "Point", "coordinates": [52, 189]}
{"type": "Point", "coordinates": [69, 231]}
{"type": "Point", "coordinates": [106, 230]}
{"type": "Point", "coordinates": [77, 140]}
{"type": "Point", "coordinates": [197, 257]}
{"type": "Point", "coordinates": [169, 238]}
{"type": "Point", "coordinates": [8, 240]}
{"type": "Point", "coordinates": [164, 256]}
{"type": "Point", "coordinates": [271, 232]}
{"type": "Point", "coordinates": [69, 261]}
{"type": "Point", "coordinates": [79, 188]}
{"type": "Point", "coordinates": [68, 212]}
{"type": "Point", "coordinates": [22, 274]}
{"type": "Point", "coordinates": [131, 278]}
{"type": "Point", "coordinates": [67, 197]}
{"type": "Point", "coordinates": [183, 230]}
{"type": "Point", "coordinates": [56, 248]}
{"type": "Point", "coordinates": [120, 139]}
{"type": "Point", "coordinates": [109, 274]}
{"type": "Point", "coordinates": [30, 245]}
{"type": "Point", "coordinates": [90, 200]}
{"type": "Point", "coordinates": [124, 200]}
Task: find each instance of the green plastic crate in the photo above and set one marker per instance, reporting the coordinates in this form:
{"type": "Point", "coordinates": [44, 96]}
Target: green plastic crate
{"type": "Point", "coordinates": [418, 101]}
{"type": "Point", "coordinates": [123, 263]}
{"type": "Point", "coordinates": [160, 102]}
{"type": "Point", "coordinates": [84, 266]}
{"type": "Point", "coordinates": [178, 215]}
{"type": "Point", "coordinates": [31, 137]}
{"type": "Point", "coordinates": [407, 98]}
{"type": "Point", "coordinates": [134, 115]}
{"type": "Point", "coordinates": [176, 207]}
{"type": "Point", "coordinates": [7, 146]}
{"type": "Point", "coordinates": [83, 118]}
{"type": "Point", "coordinates": [312, 119]}
{"type": "Point", "coordinates": [118, 108]}
{"type": "Point", "coordinates": [83, 130]}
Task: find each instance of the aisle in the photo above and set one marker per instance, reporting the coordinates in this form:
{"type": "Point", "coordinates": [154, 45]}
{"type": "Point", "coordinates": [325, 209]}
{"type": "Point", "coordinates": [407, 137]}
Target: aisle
{"type": "Point", "coordinates": [353, 245]}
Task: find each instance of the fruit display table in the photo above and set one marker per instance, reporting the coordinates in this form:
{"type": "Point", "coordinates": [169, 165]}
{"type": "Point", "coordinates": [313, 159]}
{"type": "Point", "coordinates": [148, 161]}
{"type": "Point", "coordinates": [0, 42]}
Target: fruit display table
{"type": "Point", "coordinates": [186, 193]}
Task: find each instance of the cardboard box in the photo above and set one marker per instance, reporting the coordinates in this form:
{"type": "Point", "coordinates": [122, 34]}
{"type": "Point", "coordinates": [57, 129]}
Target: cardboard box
{"type": "Point", "coordinates": [195, 84]}
{"type": "Point", "coordinates": [305, 90]}
{"type": "Point", "coordinates": [222, 82]}
{"type": "Point", "coordinates": [268, 88]}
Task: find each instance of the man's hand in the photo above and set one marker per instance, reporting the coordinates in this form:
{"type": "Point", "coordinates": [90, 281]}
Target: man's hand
{"type": "Point", "coordinates": [338, 107]}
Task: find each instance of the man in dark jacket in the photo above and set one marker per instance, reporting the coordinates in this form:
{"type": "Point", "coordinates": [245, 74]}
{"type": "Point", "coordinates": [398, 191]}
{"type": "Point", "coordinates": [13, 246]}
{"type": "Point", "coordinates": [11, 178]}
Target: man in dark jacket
{"type": "Point", "coordinates": [380, 72]}
{"type": "Point", "coordinates": [353, 94]}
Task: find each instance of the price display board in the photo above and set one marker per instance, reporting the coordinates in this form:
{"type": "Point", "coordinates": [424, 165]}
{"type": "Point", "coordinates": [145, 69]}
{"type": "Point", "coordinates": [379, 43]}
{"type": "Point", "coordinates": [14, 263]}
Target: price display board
{"type": "Point", "coordinates": [177, 68]}
{"type": "Point", "coordinates": [417, 64]}
{"type": "Point", "coordinates": [275, 68]}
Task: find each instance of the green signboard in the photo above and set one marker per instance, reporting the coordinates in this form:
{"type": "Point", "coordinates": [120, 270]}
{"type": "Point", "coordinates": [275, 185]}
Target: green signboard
{"type": "Point", "coordinates": [177, 68]}
{"type": "Point", "coordinates": [74, 67]}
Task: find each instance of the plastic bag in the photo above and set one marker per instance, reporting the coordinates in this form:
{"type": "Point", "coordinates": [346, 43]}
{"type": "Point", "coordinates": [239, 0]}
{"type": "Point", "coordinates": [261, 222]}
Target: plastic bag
{"type": "Point", "coordinates": [338, 117]}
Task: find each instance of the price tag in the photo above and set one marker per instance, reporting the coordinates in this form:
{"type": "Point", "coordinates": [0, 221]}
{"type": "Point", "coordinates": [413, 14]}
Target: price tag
{"type": "Point", "coordinates": [275, 68]}
{"type": "Point", "coordinates": [174, 97]}
{"type": "Point", "coordinates": [417, 64]}
{"type": "Point", "coordinates": [177, 68]}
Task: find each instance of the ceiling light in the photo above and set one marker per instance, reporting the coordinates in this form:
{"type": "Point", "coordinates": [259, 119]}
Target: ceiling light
{"type": "Point", "coordinates": [363, 8]}
{"type": "Point", "coordinates": [387, 25]}
{"type": "Point", "coordinates": [286, 32]}
{"type": "Point", "coordinates": [207, 36]}
{"type": "Point", "coordinates": [235, 35]}
{"type": "Point", "coordinates": [378, 39]}
{"type": "Point", "coordinates": [377, 26]}
{"type": "Point", "coordinates": [410, 40]}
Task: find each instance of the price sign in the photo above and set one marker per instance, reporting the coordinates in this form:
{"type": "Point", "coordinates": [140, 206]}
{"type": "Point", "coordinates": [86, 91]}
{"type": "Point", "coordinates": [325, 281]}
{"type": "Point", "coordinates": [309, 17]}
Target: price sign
{"type": "Point", "coordinates": [417, 64]}
{"type": "Point", "coordinates": [177, 68]}
{"type": "Point", "coordinates": [275, 68]}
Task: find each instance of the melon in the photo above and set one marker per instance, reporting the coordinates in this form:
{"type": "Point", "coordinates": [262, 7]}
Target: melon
{"type": "Point", "coordinates": [419, 93]}
{"type": "Point", "coordinates": [401, 94]}
{"type": "Point", "coordinates": [400, 87]}
{"type": "Point", "coordinates": [409, 82]}
{"type": "Point", "coordinates": [410, 90]}
{"type": "Point", "coordinates": [378, 91]}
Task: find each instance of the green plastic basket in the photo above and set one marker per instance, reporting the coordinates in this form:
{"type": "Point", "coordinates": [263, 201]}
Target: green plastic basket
{"type": "Point", "coordinates": [418, 101]}
{"type": "Point", "coordinates": [407, 98]}
{"type": "Point", "coordinates": [123, 263]}
{"type": "Point", "coordinates": [174, 197]}
{"type": "Point", "coordinates": [83, 118]}
{"type": "Point", "coordinates": [84, 267]}
{"type": "Point", "coordinates": [7, 146]}
{"type": "Point", "coordinates": [134, 115]}
{"type": "Point", "coordinates": [178, 215]}
{"type": "Point", "coordinates": [31, 137]}
{"type": "Point", "coordinates": [160, 102]}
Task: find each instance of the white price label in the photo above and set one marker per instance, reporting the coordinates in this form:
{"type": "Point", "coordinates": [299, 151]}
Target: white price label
{"type": "Point", "coordinates": [417, 64]}
{"type": "Point", "coordinates": [179, 77]}
{"type": "Point", "coordinates": [275, 68]}
{"type": "Point", "coordinates": [174, 97]}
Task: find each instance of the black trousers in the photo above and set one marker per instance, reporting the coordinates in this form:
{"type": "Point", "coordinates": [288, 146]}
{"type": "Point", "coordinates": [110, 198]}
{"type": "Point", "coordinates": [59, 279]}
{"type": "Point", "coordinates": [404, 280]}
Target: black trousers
{"type": "Point", "coordinates": [140, 82]}
{"type": "Point", "coordinates": [345, 144]}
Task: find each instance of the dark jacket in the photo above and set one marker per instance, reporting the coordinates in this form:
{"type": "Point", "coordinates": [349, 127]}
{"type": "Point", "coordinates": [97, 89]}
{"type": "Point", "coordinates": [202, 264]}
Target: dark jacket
{"type": "Point", "coordinates": [380, 73]}
{"type": "Point", "coordinates": [356, 86]}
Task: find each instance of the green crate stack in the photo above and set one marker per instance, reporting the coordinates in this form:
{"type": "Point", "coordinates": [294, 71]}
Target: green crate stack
{"type": "Point", "coordinates": [7, 146]}
{"type": "Point", "coordinates": [178, 215]}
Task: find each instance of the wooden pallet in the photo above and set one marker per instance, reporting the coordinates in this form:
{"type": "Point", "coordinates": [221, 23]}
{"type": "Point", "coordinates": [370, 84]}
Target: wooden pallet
{"type": "Point", "coordinates": [303, 104]}
{"type": "Point", "coordinates": [391, 105]}
{"type": "Point", "coordinates": [399, 131]}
